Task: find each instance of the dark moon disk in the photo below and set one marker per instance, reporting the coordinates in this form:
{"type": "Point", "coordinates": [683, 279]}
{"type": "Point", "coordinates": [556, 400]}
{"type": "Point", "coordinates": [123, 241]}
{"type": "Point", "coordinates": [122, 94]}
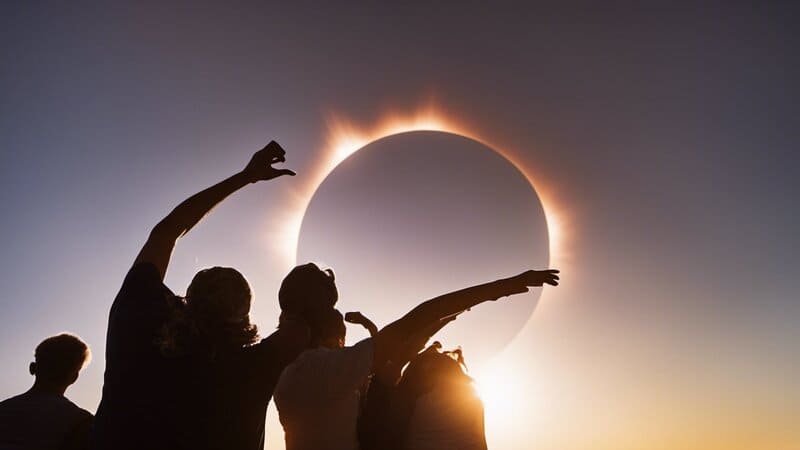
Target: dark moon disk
{"type": "Point", "coordinates": [418, 214]}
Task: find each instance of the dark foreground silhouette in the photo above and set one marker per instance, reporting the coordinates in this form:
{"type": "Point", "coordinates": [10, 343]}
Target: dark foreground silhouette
{"type": "Point", "coordinates": [42, 418]}
{"type": "Point", "coordinates": [433, 405]}
{"type": "Point", "coordinates": [191, 373]}
{"type": "Point", "coordinates": [318, 394]}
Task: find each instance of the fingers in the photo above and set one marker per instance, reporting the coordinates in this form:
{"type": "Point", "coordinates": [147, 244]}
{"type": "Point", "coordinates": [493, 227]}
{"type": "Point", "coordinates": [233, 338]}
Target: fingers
{"type": "Point", "coordinates": [353, 317]}
{"type": "Point", "coordinates": [540, 277]}
{"type": "Point", "coordinates": [281, 172]}
{"type": "Point", "coordinates": [550, 279]}
{"type": "Point", "coordinates": [275, 150]}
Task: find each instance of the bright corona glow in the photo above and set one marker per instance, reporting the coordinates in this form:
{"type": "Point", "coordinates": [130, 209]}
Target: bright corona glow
{"type": "Point", "coordinates": [503, 395]}
{"type": "Point", "coordinates": [345, 138]}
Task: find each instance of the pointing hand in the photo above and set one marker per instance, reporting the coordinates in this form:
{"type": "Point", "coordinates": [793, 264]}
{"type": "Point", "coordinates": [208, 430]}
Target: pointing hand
{"type": "Point", "coordinates": [260, 165]}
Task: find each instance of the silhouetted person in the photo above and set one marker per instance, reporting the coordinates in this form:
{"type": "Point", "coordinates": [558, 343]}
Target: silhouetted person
{"type": "Point", "coordinates": [191, 373]}
{"type": "Point", "coordinates": [433, 406]}
{"type": "Point", "coordinates": [317, 394]}
{"type": "Point", "coordinates": [42, 418]}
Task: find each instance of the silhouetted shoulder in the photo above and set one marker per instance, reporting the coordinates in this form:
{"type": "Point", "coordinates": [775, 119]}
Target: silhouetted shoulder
{"type": "Point", "coordinates": [447, 418]}
{"type": "Point", "coordinates": [43, 421]}
{"type": "Point", "coordinates": [341, 371]}
{"type": "Point", "coordinates": [142, 288]}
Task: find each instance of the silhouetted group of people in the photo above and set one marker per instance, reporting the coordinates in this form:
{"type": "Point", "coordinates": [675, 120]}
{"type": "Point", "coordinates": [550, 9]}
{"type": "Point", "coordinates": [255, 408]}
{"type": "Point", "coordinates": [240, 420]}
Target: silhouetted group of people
{"type": "Point", "coordinates": [193, 373]}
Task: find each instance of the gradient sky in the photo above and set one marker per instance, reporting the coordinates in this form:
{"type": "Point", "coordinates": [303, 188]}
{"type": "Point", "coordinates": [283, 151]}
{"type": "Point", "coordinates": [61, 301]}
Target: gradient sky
{"type": "Point", "coordinates": [668, 135]}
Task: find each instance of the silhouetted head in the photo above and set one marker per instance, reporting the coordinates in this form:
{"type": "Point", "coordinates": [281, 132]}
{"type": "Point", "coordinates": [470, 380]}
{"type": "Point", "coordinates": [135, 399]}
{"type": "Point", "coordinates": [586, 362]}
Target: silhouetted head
{"type": "Point", "coordinates": [214, 315]}
{"type": "Point", "coordinates": [432, 369]}
{"type": "Point", "coordinates": [59, 359]}
{"type": "Point", "coordinates": [219, 293]}
{"type": "Point", "coordinates": [307, 288]}
{"type": "Point", "coordinates": [327, 328]}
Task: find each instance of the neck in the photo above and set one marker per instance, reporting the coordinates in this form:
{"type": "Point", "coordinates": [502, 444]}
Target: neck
{"type": "Point", "coordinates": [48, 387]}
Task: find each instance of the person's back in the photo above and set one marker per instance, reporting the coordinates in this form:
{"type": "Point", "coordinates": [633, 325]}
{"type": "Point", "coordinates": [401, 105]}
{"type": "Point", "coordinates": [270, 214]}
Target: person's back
{"type": "Point", "coordinates": [190, 400]}
{"type": "Point", "coordinates": [40, 421]}
{"type": "Point", "coordinates": [433, 407]}
{"type": "Point", "coordinates": [448, 418]}
{"type": "Point", "coordinates": [190, 373]}
{"type": "Point", "coordinates": [318, 394]}
{"type": "Point", "coordinates": [42, 418]}
{"type": "Point", "coordinates": [145, 395]}
{"type": "Point", "coordinates": [243, 382]}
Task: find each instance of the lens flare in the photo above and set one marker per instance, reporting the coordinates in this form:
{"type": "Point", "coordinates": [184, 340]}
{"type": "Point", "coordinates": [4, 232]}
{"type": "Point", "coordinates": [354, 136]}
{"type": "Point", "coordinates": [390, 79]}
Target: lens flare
{"type": "Point", "coordinates": [345, 138]}
{"type": "Point", "coordinates": [502, 394]}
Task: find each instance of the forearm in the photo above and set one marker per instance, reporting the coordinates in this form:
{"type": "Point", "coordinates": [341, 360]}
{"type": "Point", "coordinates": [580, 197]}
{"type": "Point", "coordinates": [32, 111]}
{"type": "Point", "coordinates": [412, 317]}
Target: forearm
{"type": "Point", "coordinates": [158, 248]}
{"type": "Point", "coordinates": [426, 319]}
{"type": "Point", "coordinates": [187, 214]}
{"type": "Point", "coordinates": [371, 328]}
{"type": "Point", "coordinates": [453, 303]}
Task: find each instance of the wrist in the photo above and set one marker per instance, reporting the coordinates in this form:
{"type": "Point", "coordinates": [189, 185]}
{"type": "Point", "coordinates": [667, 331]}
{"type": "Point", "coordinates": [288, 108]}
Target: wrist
{"type": "Point", "coordinates": [245, 177]}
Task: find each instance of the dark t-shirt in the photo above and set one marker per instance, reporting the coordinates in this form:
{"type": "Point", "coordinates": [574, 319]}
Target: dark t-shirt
{"type": "Point", "coordinates": [154, 402]}
{"type": "Point", "coordinates": [43, 421]}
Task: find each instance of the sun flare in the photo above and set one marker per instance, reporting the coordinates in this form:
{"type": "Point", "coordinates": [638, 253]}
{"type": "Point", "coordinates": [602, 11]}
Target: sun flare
{"type": "Point", "coordinates": [503, 395]}
{"type": "Point", "coordinates": [345, 138]}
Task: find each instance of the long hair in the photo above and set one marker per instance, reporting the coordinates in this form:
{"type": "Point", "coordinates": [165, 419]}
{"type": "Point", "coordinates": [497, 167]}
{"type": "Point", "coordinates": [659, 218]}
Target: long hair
{"type": "Point", "coordinates": [431, 368]}
{"type": "Point", "coordinates": [214, 316]}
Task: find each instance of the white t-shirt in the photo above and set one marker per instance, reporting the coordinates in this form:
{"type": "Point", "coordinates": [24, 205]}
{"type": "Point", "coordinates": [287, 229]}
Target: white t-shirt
{"type": "Point", "coordinates": [318, 396]}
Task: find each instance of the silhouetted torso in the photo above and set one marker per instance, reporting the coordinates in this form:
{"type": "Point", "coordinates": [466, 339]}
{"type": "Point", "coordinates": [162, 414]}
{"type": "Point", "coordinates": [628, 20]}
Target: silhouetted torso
{"type": "Point", "coordinates": [445, 414]}
{"type": "Point", "coordinates": [448, 418]}
{"type": "Point", "coordinates": [42, 421]}
{"type": "Point", "coordinates": [154, 402]}
{"type": "Point", "coordinates": [318, 396]}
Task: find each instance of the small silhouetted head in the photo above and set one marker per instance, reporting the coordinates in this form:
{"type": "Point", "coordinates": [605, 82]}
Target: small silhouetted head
{"type": "Point", "coordinates": [432, 369]}
{"type": "Point", "coordinates": [327, 328]}
{"type": "Point", "coordinates": [59, 359]}
{"type": "Point", "coordinates": [214, 315]}
{"type": "Point", "coordinates": [306, 288]}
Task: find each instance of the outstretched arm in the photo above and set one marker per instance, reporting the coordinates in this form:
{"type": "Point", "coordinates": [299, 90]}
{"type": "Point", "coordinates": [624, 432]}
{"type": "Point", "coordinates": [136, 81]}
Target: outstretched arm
{"type": "Point", "coordinates": [158, 248]}
{"type": "Point", "coordinates": [391, 341]}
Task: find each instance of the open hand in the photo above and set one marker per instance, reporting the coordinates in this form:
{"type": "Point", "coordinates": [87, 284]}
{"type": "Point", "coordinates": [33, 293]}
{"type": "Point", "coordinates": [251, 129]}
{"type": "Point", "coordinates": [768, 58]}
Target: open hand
{"type": "Point", "coordinates": [260, 165]}
{"type": "Point", "coordinates": [535, 278]}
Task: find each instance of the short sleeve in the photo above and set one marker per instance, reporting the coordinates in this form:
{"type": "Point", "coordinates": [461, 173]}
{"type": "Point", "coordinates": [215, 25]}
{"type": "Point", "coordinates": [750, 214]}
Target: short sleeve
{"type": "Point", "coordinates": [139, 309]}
{"type": "Point", "coordinates": [142, 284]}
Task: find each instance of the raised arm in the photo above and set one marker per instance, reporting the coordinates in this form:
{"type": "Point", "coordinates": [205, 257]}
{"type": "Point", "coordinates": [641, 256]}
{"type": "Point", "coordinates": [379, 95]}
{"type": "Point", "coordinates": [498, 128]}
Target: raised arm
{"type": "Point", "coordinates": [158, 248]}
{"type": "Point", "coordinates": [357, 318]}
{"type": "Point", "coordinates": [391, 343]}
